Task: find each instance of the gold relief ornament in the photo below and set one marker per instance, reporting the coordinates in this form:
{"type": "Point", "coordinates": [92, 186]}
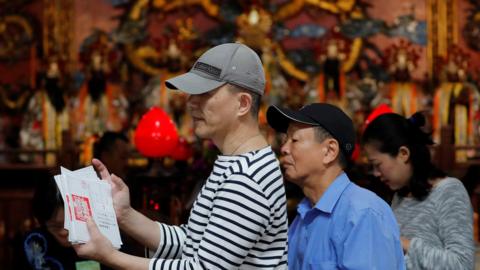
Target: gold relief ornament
{"type": "Point", "coordinates": [336, 7]}
{"type": "Point", "coordinates": [142, 56]}
{"type": "Point", "coordinates": [139, 6]}
{"type": "Point", "coordinates": [254, 27]}
{"type": "Point", "coordinates": [186, 31]}
{"type": "Point", "coordinates": [344, 8]}
{"type": "Point", "coordinates": [16, 34]}
{"type": "Point", "coordinates": [210, 8]}
{"type": "Point", "coordinates": [13, 104]}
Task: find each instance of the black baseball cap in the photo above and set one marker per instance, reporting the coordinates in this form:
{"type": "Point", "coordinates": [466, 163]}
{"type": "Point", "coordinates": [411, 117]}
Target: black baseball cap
{"type": "Point", "coordinates": [328, 116]}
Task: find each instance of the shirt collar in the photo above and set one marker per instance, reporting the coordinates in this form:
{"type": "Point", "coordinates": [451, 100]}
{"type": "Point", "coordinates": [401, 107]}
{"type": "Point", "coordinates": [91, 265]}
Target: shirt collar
{"type": "Point", "coordinates": [329, 199]}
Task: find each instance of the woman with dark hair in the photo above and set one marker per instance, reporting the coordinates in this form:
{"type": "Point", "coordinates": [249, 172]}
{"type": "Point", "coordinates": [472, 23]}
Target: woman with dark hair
{"type": "Point", "coordinates": [47, 247]}
{"type": "Point", "coordinates": [433, 210]}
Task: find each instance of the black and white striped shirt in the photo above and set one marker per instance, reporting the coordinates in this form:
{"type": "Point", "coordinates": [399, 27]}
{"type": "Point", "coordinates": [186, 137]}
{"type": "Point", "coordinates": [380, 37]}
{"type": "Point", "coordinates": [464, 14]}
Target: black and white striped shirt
{"type": "Point", "coordinates": [239, 220]}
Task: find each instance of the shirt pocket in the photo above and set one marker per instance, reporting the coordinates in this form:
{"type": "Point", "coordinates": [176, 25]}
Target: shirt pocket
{"type": "Point", "coordinates": [322, 265]}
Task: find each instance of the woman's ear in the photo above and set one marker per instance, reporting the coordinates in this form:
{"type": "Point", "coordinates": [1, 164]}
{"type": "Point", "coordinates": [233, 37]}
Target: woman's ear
{"type": "Point", "coordinates": [403, 154]}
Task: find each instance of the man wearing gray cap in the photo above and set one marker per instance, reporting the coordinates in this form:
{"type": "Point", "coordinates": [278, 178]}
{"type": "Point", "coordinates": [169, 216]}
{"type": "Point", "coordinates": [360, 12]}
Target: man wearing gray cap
{"type": "Point", "coordinates": [239, 218]}
{"type": "Point", "coordinates": [339, 225]}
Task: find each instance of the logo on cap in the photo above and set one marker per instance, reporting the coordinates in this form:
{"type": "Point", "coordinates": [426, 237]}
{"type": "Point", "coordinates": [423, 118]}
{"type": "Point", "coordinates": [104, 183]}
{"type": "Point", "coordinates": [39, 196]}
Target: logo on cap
{"type": "Point", "coordinates": [348, 146]}
{"type": "Point", "coordinates": [209, 69]}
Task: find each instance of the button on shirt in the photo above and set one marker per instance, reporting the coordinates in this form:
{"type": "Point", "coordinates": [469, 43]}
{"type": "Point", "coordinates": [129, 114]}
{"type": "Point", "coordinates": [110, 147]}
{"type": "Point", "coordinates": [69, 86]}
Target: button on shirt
{"type": "Point", "coordinates": [349, 228]}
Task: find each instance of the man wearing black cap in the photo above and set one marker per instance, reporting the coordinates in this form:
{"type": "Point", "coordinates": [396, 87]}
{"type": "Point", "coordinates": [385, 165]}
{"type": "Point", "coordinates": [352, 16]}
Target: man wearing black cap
{"type": "Point", "coordinates": [239, 218]}
{"type": "Point", "coordinates": [339, 225]}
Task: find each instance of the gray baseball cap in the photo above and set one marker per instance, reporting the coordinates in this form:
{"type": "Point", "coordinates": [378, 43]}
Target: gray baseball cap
{"type": "Point", "coordinates": [232, 63]}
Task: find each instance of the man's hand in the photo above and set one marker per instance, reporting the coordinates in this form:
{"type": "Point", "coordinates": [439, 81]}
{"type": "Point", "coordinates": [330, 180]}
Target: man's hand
{"type": "Point", "coordinates": [101, 250]}
{"type": "Point", "coordinates": [98, 248]}
{"type": "Point", "coordinates": [120, 192]}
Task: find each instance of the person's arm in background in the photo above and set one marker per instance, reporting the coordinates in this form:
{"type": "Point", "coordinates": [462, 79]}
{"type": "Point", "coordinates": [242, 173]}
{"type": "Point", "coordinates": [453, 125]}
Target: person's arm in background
{"type": "Point", "coordinates": [370, 241]}
{"type": "Point", "coordinates": [455, 222]}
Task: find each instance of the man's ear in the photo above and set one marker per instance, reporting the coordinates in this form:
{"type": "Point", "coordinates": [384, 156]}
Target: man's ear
{"type": "Point", "coordinates": [403, 154]}
{"type": "Point", "coordinates": [330, 151]}
{"type": "Point", "coordinates": [244, 103]}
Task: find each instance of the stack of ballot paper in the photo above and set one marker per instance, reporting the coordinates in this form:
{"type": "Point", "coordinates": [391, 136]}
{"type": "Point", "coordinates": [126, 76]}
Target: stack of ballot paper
{"type": "Point", "coordinates": [84, 196]}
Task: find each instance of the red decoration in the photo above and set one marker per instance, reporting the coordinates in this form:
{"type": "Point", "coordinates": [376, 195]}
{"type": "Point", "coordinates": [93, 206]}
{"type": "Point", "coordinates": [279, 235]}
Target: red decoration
{"type": "Point", "coordinates": [156, 134]}
{"type": "Point", "coordinates": [183, 150]}
{"type": "Point", "coordinates": [356, 152]}
{"type": "Point", "coordinates": [381, 109]}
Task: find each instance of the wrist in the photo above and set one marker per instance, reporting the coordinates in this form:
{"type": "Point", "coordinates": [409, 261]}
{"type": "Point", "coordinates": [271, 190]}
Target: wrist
{"type": "Point", "coordinates": [125, 216]}
{"type": "Point", "coordinates": [112, 260]}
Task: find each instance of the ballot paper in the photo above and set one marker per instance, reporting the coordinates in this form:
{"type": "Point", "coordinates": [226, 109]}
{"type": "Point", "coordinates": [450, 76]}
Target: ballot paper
{"type": "Point", "coordinates": [85, 196]}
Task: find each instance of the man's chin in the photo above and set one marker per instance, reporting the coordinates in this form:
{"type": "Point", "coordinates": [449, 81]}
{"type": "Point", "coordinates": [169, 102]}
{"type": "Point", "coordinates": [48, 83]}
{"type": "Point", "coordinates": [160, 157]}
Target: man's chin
{"type": "Point", "coordinates": [202, 134]}
{"type": "Point", "coordinates": [290, 178]}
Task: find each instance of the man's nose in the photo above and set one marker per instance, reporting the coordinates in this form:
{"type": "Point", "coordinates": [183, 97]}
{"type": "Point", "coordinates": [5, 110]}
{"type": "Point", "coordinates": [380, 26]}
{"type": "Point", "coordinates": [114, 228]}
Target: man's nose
{"type": "Point", "coordinates": [192, 101]}
{"type": "Point", "coordinates": [284, 150]}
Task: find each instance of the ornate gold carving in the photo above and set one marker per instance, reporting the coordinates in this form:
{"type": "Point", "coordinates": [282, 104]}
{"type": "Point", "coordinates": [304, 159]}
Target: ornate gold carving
{"type": "Point", "coordinates": [254, 28]}
{"type": "Point", "coordinates": [20, 40]}
{"type": "Point", "coordinates": [58, 29]}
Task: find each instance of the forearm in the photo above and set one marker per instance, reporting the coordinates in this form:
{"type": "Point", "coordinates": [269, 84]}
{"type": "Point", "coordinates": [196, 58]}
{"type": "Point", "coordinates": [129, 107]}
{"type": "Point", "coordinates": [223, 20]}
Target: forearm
{"type": "Point", "coordinates": [141, 228]}
{"type": "Point", "coordinates": [122, 261]}
{"type": "Point", "coordinates": [119, 260]}
{"type": "Point", "coordinates": [459, 256]}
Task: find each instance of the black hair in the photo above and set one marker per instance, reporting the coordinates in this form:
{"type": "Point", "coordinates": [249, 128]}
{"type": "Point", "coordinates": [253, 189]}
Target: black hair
{"type": "Point", "coordinates": [389, 132]}
{"type": "Point", "coordinates": [46, 200]}
{"type": "Point", "coordinates": [322, 134]}
{"type": "Point", "coordinates": [256, 99]}
{"type": "Point", "coordinates": [106, 143]}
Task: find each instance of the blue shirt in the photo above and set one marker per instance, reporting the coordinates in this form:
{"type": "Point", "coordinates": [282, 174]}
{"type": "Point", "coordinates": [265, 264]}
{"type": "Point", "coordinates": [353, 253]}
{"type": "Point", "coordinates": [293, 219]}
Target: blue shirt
{"type": "Point", "coordinates": [349, 228]}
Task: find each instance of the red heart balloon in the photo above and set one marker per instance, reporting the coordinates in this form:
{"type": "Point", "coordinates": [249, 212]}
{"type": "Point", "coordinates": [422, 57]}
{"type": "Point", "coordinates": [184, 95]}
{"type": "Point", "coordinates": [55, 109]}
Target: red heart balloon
{"type": "Point", "coordinates": [183, 150]}
{"type": "Point", "coordinates": [156, 134]}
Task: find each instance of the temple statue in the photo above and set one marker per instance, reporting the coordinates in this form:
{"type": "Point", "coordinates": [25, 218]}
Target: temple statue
{"type": "Point", "coordinates": [456, 102]}
{"type": "Point", "coordinates": [331, 82]}
{"type": "Point", "coordinates": [404, 95]}
{"type": "Point", "coordinates": [47, 119]}
{"type": "Point", "coordinates": [101, 105]}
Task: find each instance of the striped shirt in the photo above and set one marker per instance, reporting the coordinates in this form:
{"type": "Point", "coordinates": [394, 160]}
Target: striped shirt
{"type": "Point", "coordinates": [239, 220]}
{"type": "Point", "coordinates": [440, 227]}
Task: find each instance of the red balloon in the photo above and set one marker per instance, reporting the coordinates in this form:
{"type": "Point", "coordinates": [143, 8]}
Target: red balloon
{"type": "Point", "coordinates": [156, 134]}
{"type": "Point", "coordinates": [183, 150]}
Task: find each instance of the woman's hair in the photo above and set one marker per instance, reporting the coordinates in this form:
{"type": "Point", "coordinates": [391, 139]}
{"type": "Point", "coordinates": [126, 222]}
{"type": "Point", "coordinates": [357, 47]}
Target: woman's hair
{"type": "Point", "coordinates": [46, 201]}
{"type": "Point", "coordinates": [389, 132]}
